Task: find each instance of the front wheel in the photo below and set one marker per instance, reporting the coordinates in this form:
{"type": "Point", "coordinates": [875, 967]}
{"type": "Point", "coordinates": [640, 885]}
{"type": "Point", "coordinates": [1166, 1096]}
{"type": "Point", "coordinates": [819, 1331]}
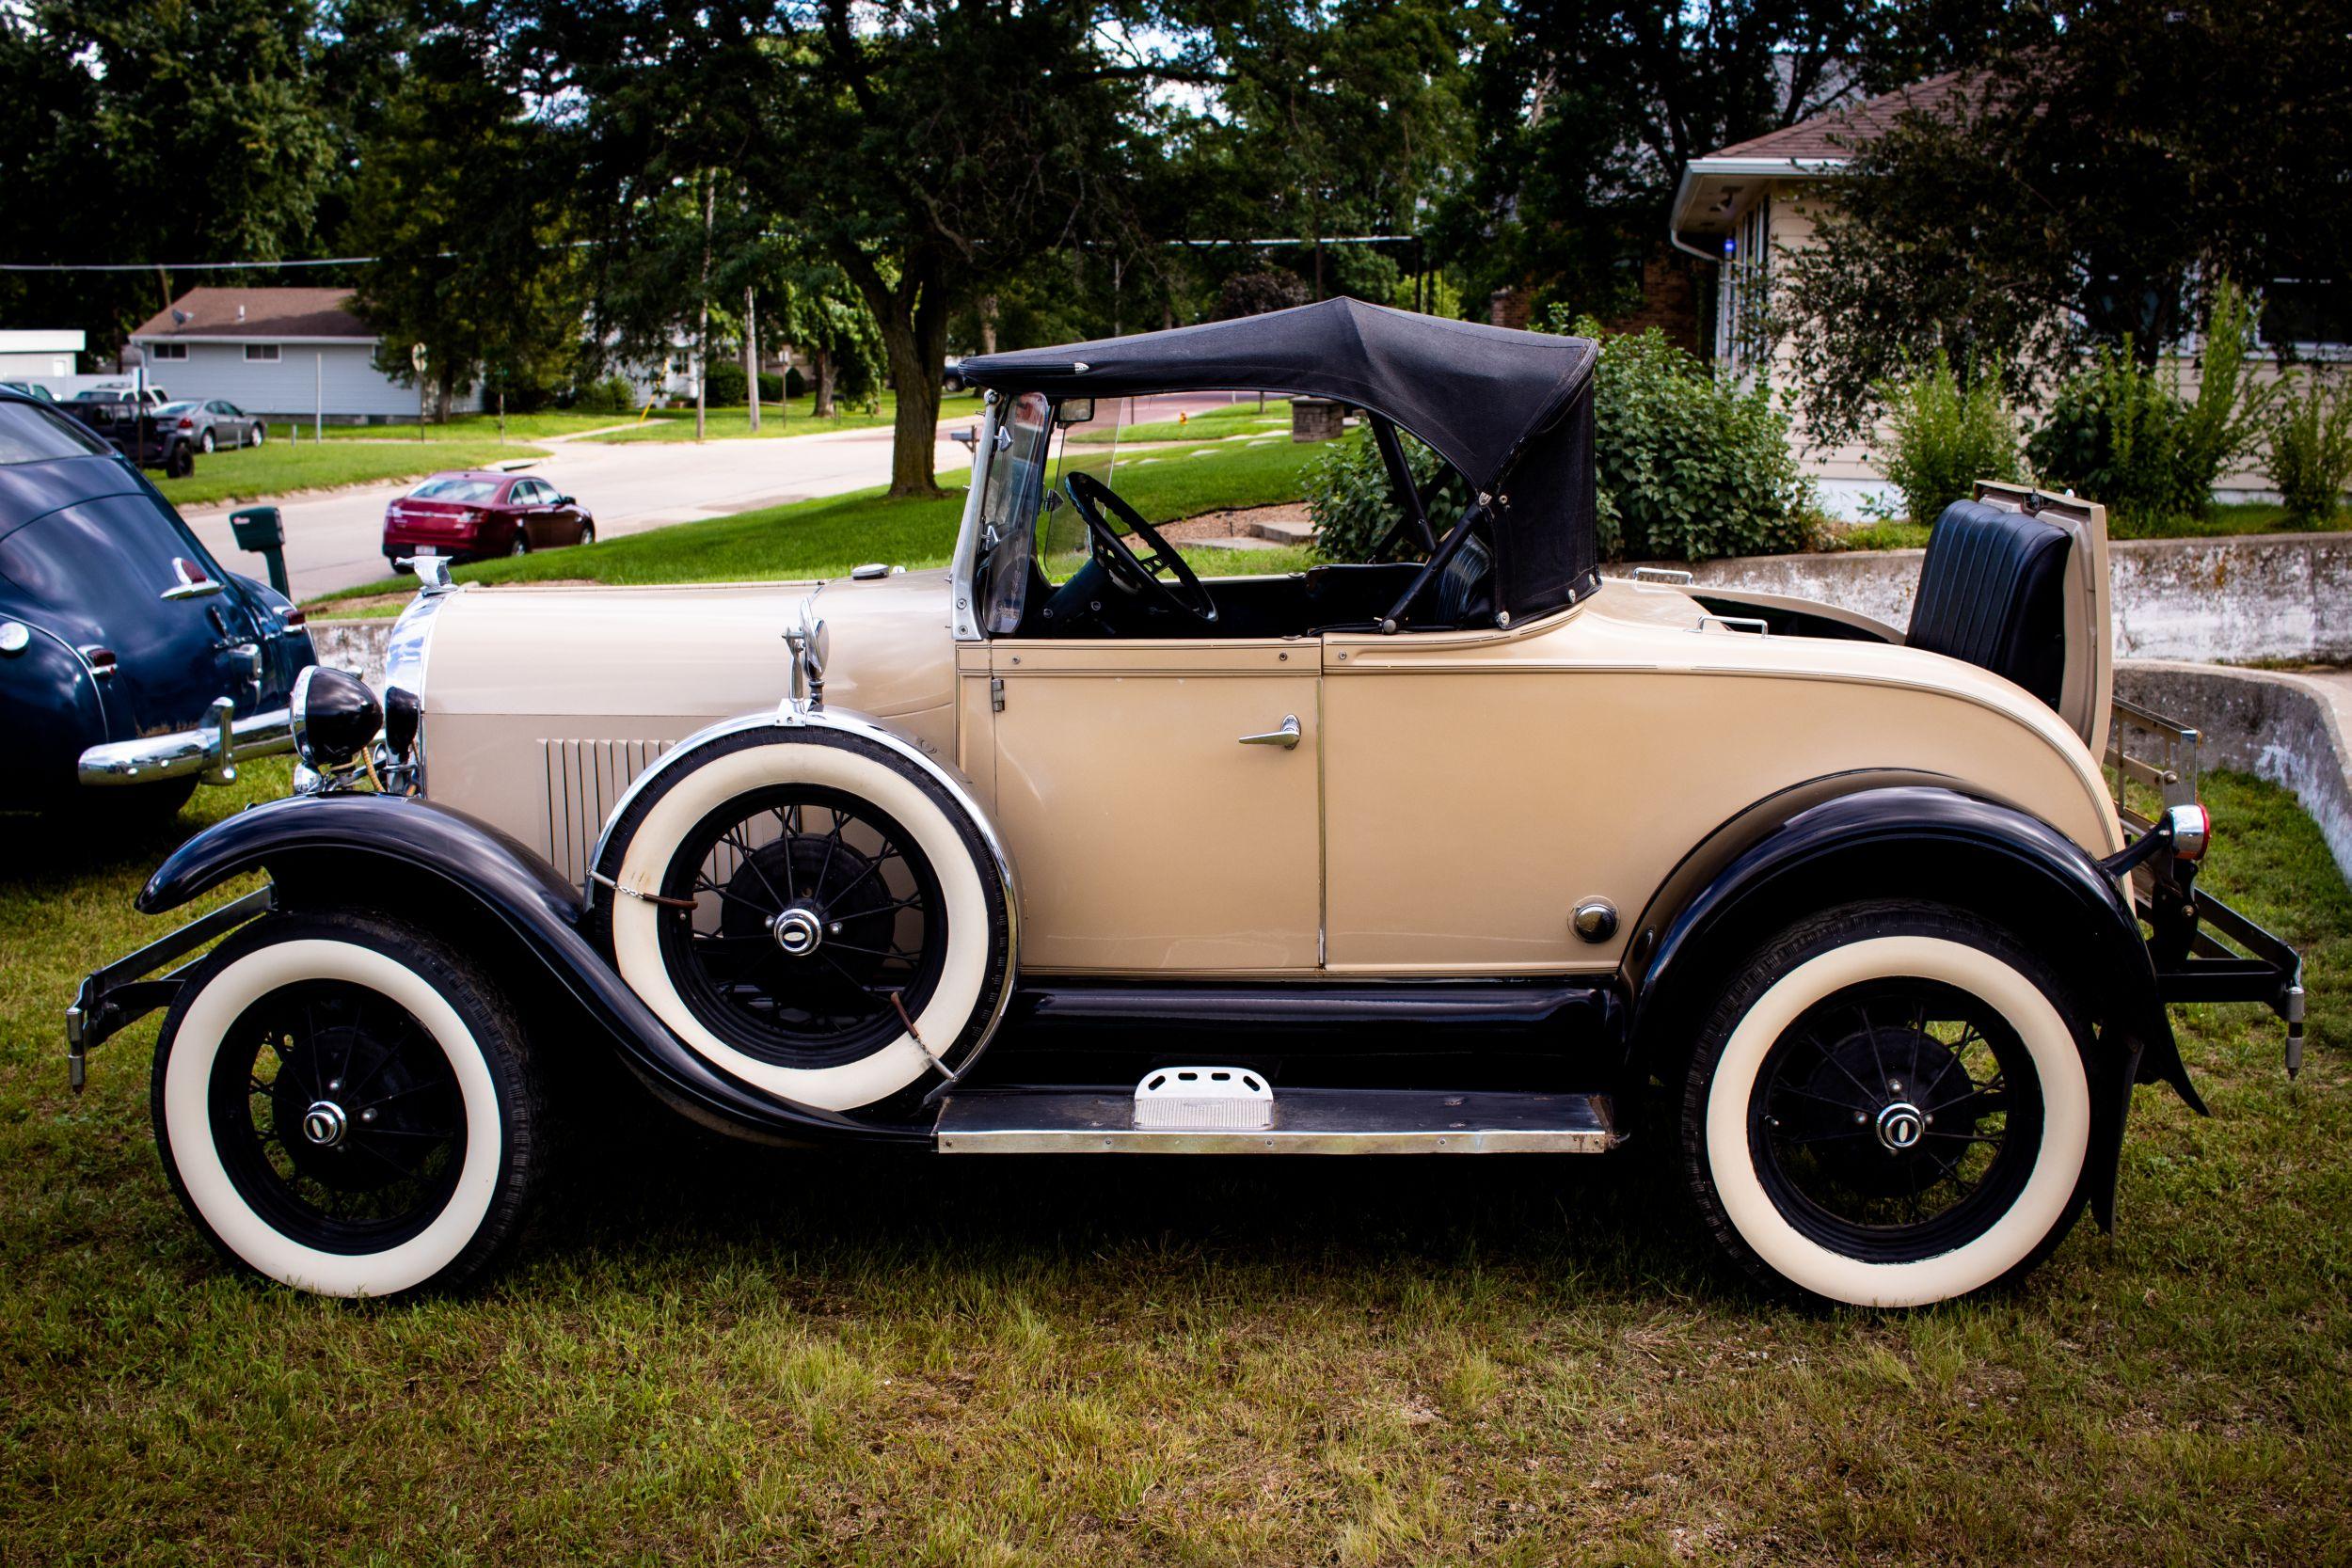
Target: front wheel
{"type": "Point", "coordinates": [1890, 1106]}
{"type": "Point", "coordinates": [587, 531]}
{"type": "Point", "coordinates": [344, 1105]}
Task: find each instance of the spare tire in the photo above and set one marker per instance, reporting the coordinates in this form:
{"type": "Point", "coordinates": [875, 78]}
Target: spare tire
{"type": "Point", "coordinates": [815, 911]}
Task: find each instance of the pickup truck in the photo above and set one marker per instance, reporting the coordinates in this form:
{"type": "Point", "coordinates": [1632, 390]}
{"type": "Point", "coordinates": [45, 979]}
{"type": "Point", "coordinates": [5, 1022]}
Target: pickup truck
{"type": "Point", "coordinates": [132, 428]}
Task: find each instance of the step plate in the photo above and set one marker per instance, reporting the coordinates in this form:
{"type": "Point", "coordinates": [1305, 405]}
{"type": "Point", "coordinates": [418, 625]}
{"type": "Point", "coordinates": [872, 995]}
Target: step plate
{"type": "Point", "coordinates": [1306, 1121]}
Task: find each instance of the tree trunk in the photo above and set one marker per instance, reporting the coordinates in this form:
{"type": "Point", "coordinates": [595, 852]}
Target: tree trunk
{"type": "Point", "coordinates": [821, 361]}
{"type": "Point", "coordinates": [917, 349]}
{"type": "Point", "coordinates": [988, 324]}
{"type": "Point", "coordinates": [751, 354]}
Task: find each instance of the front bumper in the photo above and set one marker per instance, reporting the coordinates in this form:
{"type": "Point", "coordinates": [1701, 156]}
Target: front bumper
{"type": "Point", "coordinates": [211, 751]}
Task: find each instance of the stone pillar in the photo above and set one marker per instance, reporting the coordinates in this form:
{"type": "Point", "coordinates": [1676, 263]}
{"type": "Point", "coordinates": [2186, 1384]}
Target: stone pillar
{"type": "Point", "coordinates": [1316, 419]}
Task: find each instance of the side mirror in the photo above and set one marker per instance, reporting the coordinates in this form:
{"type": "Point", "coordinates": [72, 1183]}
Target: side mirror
{"type": "Point", "coordinates": [1071, 411]}
{"type": "Point", "coordinates": [562, 501]}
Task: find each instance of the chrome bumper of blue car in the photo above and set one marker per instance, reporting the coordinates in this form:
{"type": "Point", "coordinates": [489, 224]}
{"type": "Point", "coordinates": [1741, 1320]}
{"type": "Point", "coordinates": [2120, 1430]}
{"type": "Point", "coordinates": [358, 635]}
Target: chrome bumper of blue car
{"type": "Point", "coordinates": [212, 751]}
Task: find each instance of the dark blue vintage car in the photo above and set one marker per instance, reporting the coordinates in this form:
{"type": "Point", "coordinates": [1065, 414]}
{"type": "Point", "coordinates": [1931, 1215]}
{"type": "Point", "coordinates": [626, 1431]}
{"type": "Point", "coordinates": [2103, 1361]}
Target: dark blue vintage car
{"type": "Point", "coordinates": [132, 665]}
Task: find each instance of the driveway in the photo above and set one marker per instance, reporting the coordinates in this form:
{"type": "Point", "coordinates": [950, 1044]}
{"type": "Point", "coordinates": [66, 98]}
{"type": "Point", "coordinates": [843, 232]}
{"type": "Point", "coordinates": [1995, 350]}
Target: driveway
{"type": "Point", "coordinates": [336, 541]}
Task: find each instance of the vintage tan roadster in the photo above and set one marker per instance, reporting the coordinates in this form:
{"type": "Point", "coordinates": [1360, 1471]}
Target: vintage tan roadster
{"type": "Point", "coordinates": [1067, 850]}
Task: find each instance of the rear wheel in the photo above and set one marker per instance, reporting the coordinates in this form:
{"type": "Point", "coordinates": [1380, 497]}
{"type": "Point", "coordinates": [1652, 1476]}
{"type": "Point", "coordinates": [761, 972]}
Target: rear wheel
{"type": "Point", "coordinates": [207, 442]}
{"type": "Point", "coordinates": [261, 433]}
{"type": "Point", "coordinates": [522, 541]}
{"type": "Point", "coordinates": [344, 1105]}
{"type": "Point", "coordinates": [1889, 1107]}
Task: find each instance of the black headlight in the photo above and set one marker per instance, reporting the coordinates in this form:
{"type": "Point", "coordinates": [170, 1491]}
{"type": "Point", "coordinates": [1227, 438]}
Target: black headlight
{"type": "Point", "coordinates": [335, 716]}
{"type": "Point", "coordinates": [403, 714]}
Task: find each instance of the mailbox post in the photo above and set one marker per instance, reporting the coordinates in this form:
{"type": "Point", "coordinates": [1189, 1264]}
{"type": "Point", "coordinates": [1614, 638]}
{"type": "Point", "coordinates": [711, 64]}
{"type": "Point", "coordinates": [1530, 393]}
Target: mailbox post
{"type": "Point", "coordinates": [262, 530]}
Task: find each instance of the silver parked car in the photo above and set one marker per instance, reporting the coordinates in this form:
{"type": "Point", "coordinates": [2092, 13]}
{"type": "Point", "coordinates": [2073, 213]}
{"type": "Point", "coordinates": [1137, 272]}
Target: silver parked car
{"type": "Point", "coordinates": [211, 424]}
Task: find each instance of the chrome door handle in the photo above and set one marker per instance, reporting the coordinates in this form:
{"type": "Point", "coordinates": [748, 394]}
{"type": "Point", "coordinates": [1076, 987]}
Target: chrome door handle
{"type": "Point", "coordinates": [1286, 737]}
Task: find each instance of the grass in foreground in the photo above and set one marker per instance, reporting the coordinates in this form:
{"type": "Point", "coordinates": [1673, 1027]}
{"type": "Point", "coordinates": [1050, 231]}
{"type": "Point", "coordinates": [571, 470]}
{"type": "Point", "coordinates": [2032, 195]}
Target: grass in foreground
{"type": "Point", "coordinates": [828, 536]}
{"type": "Point", "coordinates": [1232, 419]}
{"type": "Point", "coordinates": [718, 1356]}
{"type": "Point", "coordinates": [258, 473]}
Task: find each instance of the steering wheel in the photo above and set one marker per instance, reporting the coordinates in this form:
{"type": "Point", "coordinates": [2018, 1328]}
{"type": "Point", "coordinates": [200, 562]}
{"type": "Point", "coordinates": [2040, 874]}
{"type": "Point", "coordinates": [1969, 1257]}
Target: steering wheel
{"type": "Point", "coordinates": [1186, 596]}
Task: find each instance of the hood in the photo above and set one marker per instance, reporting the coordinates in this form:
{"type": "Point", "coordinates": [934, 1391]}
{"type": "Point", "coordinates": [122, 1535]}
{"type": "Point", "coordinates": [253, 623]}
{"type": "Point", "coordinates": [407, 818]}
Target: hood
{"type": "Point", "coordinates": [695, 651]}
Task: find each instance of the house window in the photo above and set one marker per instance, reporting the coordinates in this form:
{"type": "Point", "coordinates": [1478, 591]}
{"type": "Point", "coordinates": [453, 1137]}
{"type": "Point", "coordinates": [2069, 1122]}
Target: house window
{"type": "Point", "coordinates": [2311, 315]}
{"type": "Point", "coordinates": [1743, 289]}
{"type": "Point", "coordinates": [260, 354]}
{"type": "Point", "coordinates": [167, 351]}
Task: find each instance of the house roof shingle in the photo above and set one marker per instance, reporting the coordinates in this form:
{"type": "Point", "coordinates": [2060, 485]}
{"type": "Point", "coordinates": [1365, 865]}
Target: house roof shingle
{"type": "Point", "coordinates": [1833, 134]}
{"type": "Point", "coordinates": [257, 313]}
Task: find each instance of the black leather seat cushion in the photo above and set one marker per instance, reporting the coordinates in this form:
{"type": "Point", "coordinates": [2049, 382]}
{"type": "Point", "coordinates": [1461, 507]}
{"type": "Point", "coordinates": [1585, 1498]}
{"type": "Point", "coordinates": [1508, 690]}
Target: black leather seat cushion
{"type": "Point", "coordinates": [1993, 591]}
{"type": "Point", "coordinates": [1462, 586]}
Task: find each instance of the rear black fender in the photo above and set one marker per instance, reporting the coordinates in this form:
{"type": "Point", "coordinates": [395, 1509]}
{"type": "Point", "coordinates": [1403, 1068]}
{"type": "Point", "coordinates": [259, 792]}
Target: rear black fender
{"type": "Point", "coordinates": [1909, 836]}
{"type": "Point", "coordinates": [442, 867]}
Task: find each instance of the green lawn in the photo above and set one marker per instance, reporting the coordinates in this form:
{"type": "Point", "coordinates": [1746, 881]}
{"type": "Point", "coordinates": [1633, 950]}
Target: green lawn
{"type": "Point", "coordinates": [2249, 517]}
{"type": "Point", "coordinates": [547, 422]}
{"type": "Point", "coordinates": [1234, 418]}
{"type": "Point", "coordinates": [715, 1354]}
{"type": "Point", "coordinates": [831, 535]}
{"type": "Point", "coordinates": [735, 423]}
{"type": "Point", "coordinates": [258, 473]}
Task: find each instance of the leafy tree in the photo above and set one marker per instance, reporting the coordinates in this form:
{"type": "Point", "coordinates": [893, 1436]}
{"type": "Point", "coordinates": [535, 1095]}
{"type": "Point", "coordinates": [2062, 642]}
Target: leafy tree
{"type": "Point", "coordinates": [144, 132]}
{"type": "Point", "coordinates": [1587, 115]}
{"type": "Point", "coordinates": [457, 197]}
{"type": "Point", "coordinates": [2090, 186]}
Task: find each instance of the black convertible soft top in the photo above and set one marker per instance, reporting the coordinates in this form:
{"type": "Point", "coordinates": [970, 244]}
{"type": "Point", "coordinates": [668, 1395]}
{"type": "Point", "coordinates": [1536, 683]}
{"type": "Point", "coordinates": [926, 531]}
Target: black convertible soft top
{"type": "Point", "coordinates": [1511, 410]}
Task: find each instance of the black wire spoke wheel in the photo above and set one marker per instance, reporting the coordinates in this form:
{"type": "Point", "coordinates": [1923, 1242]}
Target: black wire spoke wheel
{"type": "Point", "coordinates": [803, 926]}
{"type": "Point", "coordinates": [1896, 1120]}
{"type": "Point", "coordinates": [338, 1116]}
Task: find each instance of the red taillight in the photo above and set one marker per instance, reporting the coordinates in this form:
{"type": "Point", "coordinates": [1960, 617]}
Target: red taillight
{"type": "Point", "coordinates": [2192, 829]}
{"type": "Point", "coordinates": [297, 617]}
{"type": "Point", "coordinates": [187, 425]}
{"type": "Point", "coordinates": [102, 660]}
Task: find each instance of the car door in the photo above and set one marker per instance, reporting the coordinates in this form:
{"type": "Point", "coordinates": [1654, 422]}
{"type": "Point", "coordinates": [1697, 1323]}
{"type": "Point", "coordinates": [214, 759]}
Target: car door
{"type": "Point", "coordinates": [522, 504]}
{"type": "Point", "coordinates": [1161, 800]}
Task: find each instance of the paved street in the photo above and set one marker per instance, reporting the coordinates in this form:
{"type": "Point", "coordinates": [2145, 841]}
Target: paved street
{"type": "Point", "coordinates": [336, 540]}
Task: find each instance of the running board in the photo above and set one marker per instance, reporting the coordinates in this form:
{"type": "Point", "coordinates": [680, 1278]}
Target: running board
{"type": "Point", "coordinates": [1304, 1121]}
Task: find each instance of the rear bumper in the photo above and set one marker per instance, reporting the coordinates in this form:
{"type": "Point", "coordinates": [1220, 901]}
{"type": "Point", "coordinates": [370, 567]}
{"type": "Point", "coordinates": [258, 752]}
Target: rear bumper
{"type": "Point", "coordinates": [2252, 966]}
{"type": "Point", "coordinates": [212, 751]}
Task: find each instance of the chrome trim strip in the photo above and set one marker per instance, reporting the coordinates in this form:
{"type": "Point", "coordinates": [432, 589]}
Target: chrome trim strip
{"type": "Point", "coordinates": [966, 610]}
{"type": "Point", "coordinates": [214, 749]}
{"type": "Point", "coordinates": [1306, 1121]}
{"type": "Point", "coordinates": [405, 655]}
{"type": "Point", "coordinates": [849, 722]}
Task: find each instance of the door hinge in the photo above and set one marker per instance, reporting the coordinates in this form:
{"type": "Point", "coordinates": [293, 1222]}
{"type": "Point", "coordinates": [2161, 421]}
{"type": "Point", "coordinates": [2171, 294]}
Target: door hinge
{"type": "Point", "coordinates": [995, 693]}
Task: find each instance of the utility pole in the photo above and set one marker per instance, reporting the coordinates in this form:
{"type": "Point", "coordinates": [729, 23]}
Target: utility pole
{"type": "Point", "coordinates": [750, 352]}
{"type": "Point", "coordinates": [702, 300]}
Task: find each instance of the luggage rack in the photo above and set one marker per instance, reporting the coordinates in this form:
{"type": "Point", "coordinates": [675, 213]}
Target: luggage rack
{"type": "Point", "coordinates": [2203, 950]}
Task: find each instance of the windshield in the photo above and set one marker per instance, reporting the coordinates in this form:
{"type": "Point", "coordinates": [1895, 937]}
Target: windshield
{"type": "Point", "coordinates": [1009, 503]}
{"type": "Point", "coordinates": [30, 435]}
{"type": "Point", "coordinates": [472, 491]}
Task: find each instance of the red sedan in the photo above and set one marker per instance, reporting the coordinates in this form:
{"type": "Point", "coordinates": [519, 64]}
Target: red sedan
{"type": "Point", "coordinates": [470, 514]}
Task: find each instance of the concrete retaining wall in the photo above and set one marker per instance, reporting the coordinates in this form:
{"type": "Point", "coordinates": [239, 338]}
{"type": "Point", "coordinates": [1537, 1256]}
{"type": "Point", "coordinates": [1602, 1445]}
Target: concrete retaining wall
{"type": "Point", "coordinates": [2281, 727]}
{"type": "Point", "coordinates": [2244, 597]}
{"type": "Point", "coordinates": [354, 645]}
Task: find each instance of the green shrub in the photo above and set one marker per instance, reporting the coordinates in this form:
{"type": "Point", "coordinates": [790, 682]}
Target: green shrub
{"type": "Point", "coordinates": [1942, 436]}
{"type": "Point", "coordinates": [1688, 469]}
{"type": "Point", "coordinates": [2119, 431]}
{"type": "Point", "coordinates": [2310, 456]}
{"type": "Point", "coordinates": [725, 385]}
{"type": "Point", "coordinates": [612, 395]}
{"type": "Point", "coordinates": [795, 384]}
{"type": "Point", "coordinates": [1353, 507]}
{"type": "Point", "coordinates": [771, 388]}
{"type": "Point", "coordinates": [1691, 467]}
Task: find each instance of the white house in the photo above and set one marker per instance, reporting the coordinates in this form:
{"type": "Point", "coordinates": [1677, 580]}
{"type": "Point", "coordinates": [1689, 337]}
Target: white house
{"type": "Point", "coordinates": [289, 353]}
{"type": "Point", "coordinates": [38, 356]}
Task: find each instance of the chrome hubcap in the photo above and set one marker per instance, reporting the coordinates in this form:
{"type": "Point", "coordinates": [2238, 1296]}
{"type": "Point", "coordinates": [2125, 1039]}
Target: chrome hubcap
{"type": "Point", "coordinates": [1899, 1126]}
{"type": "Point", "coordinates": [798, 931]}
{"type": "Point", "coordinates": [325, 1123]}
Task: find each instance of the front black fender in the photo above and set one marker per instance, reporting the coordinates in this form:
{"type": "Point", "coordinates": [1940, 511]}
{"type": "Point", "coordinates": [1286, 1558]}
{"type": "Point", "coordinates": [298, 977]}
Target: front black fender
{"type": "Point", "coordinates": [339, 850]}
{"type": "Point", "coordinates": [1911, 837]}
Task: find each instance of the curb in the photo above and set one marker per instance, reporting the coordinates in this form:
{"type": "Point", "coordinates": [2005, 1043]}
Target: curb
{"type": "Point", "coordinates": [2281, 727]}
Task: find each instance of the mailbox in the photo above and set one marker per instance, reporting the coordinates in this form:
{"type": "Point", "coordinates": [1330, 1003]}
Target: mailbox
{"type": "Point", "coordinates": [262, 530]}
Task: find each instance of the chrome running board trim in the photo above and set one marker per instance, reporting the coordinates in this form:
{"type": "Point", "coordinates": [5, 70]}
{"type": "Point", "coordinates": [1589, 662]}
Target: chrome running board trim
{"type": "Point", "coordinates": [1306, 1121]}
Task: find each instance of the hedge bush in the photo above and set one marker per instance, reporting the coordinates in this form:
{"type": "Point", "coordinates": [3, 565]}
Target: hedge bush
{"type": "Point", "coordinates": [1942, 436]}
{"type": "Point", "coordinates": [725, 385]}
{"type": "Point", "coordinates": [1349, 499]}
{"type": "Point", "coordinates": [612, 395]}
{"type": "Point", "coordinates": [2119, 431]}
{"type": "Point", "coordinates": [2309, 457]}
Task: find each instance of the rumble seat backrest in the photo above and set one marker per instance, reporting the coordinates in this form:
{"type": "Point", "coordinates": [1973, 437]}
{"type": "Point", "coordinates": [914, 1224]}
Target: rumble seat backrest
{"type": "Point", "coordinates": [1992, 592]}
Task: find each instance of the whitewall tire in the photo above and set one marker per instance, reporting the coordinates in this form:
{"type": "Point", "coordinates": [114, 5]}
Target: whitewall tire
{"type": "Point", "coordinates": [811, 913]}
{"type": "Point", "coordinates": [1890, 1106]}
{"type": "Point", "coordinates": [345, 1106]}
